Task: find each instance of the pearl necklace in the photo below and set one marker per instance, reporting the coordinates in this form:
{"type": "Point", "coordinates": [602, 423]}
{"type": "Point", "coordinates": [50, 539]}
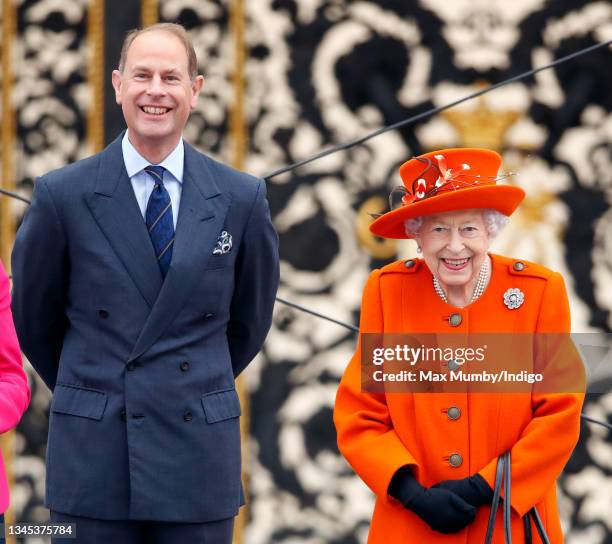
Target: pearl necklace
{"type": "Point", "coordinates": [481, 284]}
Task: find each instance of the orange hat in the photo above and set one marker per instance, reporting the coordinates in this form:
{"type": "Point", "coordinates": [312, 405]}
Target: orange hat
{"type": "Point", "coordinates": [447, 180]}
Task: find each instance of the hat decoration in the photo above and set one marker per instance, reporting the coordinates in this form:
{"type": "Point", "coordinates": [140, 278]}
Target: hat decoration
{"type": "Point", "coordinates": [447, 180]}
{"type": "Point", "coordinates": [445, 176]}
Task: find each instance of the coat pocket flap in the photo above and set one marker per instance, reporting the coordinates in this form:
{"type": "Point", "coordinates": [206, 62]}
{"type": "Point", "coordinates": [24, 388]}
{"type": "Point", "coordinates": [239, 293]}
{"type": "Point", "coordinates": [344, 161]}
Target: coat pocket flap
{"type": "Point", "coordinates": [220, 405]}
{"type": "Point", "coordinates": [78, 401]}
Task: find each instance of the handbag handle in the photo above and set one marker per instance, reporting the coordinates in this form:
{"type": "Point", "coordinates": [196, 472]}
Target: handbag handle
{"type": "Point", "coordinates": [504, 472]}
{"type": "Point", "coordinates": [533, 514]}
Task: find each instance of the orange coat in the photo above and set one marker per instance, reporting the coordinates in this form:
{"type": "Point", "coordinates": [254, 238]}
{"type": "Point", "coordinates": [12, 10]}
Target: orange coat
{"type": "Point", "coordinates": [379, 433]}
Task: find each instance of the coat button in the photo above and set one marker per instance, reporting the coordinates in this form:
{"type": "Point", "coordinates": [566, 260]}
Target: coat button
{"type": "Point", "coordinates": [209, 316]}
{"type": "Point", "coordinates": [518, 266]}
{"type": "Point", "coordinates": [453, 365]}
{"type": "Point", "coordinates": [184, 366]}
{"type": "Point", "coordinates": [453, 413]}
{"type": "Point", "coordinates": [455, 320]}
{"type": "Point", "coordinates": [455, 460]}
{"type": "Point", "coordinates": [187, 416]}
{"type": "Point", "coordinates": [409, 263]}
{"type": "Point", "coordinates": [131, 366]}
{"type": "Point", "coordinates": [103, 314]}
{"type": "Point", "coordinates": [122, 415]}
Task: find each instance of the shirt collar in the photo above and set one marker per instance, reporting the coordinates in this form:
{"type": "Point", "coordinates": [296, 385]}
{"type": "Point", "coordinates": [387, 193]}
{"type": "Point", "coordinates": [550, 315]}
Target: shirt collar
{"type": "Point", "coordinates": [135, 162]}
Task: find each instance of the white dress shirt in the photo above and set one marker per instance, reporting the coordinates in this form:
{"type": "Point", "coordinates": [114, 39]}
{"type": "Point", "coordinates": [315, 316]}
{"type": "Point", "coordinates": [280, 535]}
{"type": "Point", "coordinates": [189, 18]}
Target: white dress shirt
{"type": "Point", "coordinates": [143, 183]}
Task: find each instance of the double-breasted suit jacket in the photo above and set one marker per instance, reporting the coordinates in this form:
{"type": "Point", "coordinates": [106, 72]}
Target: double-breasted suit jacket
{"type": "Point", "coordinates": [14, 390]}
{"type": "Point", "coordinates": [454, 435]}
{"type": "Point", "coordinates": [144, 415]}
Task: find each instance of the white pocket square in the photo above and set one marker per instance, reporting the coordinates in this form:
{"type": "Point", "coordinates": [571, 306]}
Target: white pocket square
{"type": "Point", "coordinates": [224, 243]}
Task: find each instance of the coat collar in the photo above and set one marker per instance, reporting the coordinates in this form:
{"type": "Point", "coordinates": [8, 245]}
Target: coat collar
{"type": "Point", "coordinates": [115, 209]}
{"type": "Point", "coordinates": [112, 170]}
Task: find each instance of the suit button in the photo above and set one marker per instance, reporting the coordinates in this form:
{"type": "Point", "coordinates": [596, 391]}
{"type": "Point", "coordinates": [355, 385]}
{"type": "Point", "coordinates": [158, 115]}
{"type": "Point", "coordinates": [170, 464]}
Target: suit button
{"type": "Point", "coordinates": [453, 413]}
{"type": "Point", "coordinates": [209, 316]}
{"type": "Point", "coordinates": [131, 366]}
{"type": "Point", "coordinates": [455, 320]}
{"type": "Point", "coordinates": [455, 460]}
{"type": "Point", "coordinates": [184, 366]}
{"type": "Point", "coordinates": [409, 263]}
{"type": "Point", "coordinates": [187, 416]}
{"type": "Point", "coordinates": [453, 365]}
{"type": "Point", "coordinates": [103, 314]}
{"type": "Point", "coordinates": [122, 415]}
{"type": "Point", "coordinates": [518, 266]}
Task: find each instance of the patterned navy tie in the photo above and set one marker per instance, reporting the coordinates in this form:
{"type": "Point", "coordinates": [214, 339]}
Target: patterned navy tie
{"type": "Point", "coordinates": [159, 219]}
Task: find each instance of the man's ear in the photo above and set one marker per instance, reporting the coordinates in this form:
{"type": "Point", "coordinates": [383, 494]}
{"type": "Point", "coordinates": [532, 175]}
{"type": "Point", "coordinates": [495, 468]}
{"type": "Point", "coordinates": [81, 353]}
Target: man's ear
{"type": "Point", "coordinates": [116, 79]}
{"type": "Point", "coordinates": [196, 87]}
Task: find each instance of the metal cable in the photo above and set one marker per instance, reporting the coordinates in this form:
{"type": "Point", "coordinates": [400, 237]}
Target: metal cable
{"type": "Point", "coordinates": [14, 195]}
{"type": "Point", "coordinates": [604, 424]}
{"type": "Point", "coordinates": [432, 111]}
{"type": "Point", "coordinates": [317, 314]}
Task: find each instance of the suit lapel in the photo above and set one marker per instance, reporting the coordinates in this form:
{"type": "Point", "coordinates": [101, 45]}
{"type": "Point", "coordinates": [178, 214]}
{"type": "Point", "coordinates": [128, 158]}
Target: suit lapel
{"type": "Point", "coordinates": [202, 213]}
{"type": "Point", "coordinates": [115, 209]}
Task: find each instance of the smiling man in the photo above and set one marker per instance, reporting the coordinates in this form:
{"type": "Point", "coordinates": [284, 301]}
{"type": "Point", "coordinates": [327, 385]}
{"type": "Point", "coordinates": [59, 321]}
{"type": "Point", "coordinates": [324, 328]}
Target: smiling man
{"type": "Point", "coordinates": [144, 281]}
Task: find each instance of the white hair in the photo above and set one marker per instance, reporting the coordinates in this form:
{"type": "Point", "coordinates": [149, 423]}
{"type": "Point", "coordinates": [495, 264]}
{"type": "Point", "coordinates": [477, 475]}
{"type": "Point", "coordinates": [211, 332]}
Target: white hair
{"type": "Point", "coordinates": [495, 221]}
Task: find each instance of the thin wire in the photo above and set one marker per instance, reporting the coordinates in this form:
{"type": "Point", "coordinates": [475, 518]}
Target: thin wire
{"type": "Point", "coordinates": [317, 314]}
{"type": "Point", "coordinates": [14, 195]}
{"type": "Point", "coordinates": [597, 421]}
{"type": "Point", "coordinates": [432, 111]}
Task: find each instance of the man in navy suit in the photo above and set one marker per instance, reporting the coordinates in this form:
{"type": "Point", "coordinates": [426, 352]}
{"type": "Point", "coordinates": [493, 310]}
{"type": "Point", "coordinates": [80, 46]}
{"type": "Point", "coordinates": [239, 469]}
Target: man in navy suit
{"type": "Point", "coordinates": [144, 281]}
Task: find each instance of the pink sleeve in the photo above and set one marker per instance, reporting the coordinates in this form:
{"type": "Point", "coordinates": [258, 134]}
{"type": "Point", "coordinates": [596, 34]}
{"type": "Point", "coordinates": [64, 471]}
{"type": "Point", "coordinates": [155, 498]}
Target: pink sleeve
{"type": "Point", "coordinates": [14, 390]}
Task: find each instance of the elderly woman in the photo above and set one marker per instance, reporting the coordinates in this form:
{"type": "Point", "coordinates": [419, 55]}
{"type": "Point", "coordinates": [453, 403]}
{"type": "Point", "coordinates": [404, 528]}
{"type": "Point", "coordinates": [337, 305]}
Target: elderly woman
{"type": "Point", "coordinates": [14, 390]}
{"type": "Point", "coordinates": [431, 458]}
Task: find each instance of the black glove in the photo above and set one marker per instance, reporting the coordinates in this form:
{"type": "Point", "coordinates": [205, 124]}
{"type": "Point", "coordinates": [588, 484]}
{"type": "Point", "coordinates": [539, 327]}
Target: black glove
{"type": "Point", "coordinates": [474, 489]}
{"type": "Point", "coordinates": [441, 509]}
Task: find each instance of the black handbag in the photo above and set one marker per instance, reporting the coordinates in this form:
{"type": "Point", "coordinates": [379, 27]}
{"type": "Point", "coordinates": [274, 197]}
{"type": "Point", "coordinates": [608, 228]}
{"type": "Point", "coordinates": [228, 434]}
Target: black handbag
{"type": "Point", "coordinates": [504, 472]}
